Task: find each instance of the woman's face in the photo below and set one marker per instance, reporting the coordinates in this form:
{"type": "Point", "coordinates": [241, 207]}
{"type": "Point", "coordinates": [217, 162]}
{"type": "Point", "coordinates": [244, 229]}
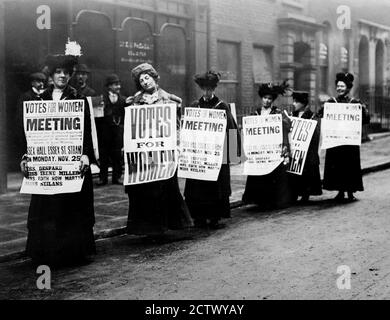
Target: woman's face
{"type": "Point", "coordinates": [267, 101]}
{"type": "Point", "coordinates": [342, 89]}
{"type": "Point", "coordinates": [60, 78]}
{"type": "Point", "coordinates": [147, 82]}
{"type": "Point", "coordinates": [298, 106]}
{"type": "Point", "coordinates": [208, 92]}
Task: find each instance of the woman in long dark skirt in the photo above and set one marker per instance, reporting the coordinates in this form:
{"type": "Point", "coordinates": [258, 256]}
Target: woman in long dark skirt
{"type": "Point", "coordinates": [343, 171]}
{"type": "Point", "coordinates": [60, 227]}
{"type": "Point", "coordinates": [155, 207]}
{"type": "Point", "coordinates": [208, 201]}
{"type": "Point", "coordinates": [309, 183]}
{"type": "Point", "coordinates": [272, 191]}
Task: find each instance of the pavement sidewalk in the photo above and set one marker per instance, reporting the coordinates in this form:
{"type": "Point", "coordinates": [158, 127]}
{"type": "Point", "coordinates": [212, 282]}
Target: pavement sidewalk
{"type": "Point", "coordinates": [111, 203]}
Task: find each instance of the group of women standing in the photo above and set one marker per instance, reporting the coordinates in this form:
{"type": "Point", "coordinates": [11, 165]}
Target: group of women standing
{"type": "Point", "coordinates": [281, 189]}
{"type": "Point", "coordinates": [61, 226]}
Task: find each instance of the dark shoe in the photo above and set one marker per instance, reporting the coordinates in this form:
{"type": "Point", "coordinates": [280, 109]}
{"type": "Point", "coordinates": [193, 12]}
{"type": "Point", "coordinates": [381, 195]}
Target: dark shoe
{"type": "Point", "coordinates": [340, 197]}
{"type": "Point", "coordinates": [216, 225]}
{"type": "Point", "coordinates": [304, 199]}
{"type": "Point", "coordinates": [351, 197]}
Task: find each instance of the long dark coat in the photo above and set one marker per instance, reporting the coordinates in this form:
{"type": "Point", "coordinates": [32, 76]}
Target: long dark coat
{"type": "Point", "coordinates": [273, 190]}
{"type": "Point", "coordinates": [110, 137]}
{"type": "Point", "coordinates": [342, 164]}
{"type": "Point", "coordinates": [157, 206]}
{"type": "Point", "coordinates": [309, 183]}
{"type": "Point", "coordinates": [60, 227]}
{"type": "Point", "coordinates": [210, 199]}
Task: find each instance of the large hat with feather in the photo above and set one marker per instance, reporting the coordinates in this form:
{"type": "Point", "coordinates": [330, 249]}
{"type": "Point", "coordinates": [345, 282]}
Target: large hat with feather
{"type": "Point", "coordinates": [66, 61]}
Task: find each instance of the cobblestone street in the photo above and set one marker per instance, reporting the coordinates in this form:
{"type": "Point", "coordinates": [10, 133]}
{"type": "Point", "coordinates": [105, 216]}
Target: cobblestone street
{"type": "Point", "coordinates": [111, 203]}
{"type": "Point", "coordinates": [289, 254]}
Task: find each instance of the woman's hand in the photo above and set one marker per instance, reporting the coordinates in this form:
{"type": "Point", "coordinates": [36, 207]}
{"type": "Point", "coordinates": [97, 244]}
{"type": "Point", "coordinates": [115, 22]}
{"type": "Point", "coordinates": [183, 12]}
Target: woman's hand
{"type": "Point", "coordinates": [23, 168]}
{"type": "Point", "coordinates": [286, 156]}
{"type": "Point", "coordinates": [84, 165]}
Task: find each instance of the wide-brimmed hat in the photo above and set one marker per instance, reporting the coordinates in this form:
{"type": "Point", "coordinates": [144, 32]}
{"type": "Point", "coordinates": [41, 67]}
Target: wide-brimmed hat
{"type": "Point", "coordinates": [301, 96]}
{"type": "Point", "coordinates": [346, 77]}
{"type": "Point", "coordinates": [82, 68]}
{"type": "Point", "coordinates": [273, 89]}
{"type": "Point", "coordinates": [143, 68]}
{"type": "Point", "coordinates": [207, 79]}
{"type": "Point", "coordinates": [112, 78]}
{"type": "Point", "coordinates": [62, 61]}
{"type": "Point", "coordinates": [37, 76]}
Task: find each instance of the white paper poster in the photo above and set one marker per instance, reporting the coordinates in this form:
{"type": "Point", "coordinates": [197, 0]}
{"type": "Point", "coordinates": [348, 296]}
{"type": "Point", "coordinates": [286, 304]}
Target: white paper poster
{"type": "Point", "coordinates": [150, 143]}
{"type": "Point", "coordinates": [93, 129]}
{"type": "Point", "coordinates": [202, 143]}
{"type": "Point", "coordinates": [301, 135]}
{"type": "Point", "coordinates": [341, 125]}
{"type": "Point", "coordinates": [263, 140]}
{"type": "Point", "coordinates": [54, 134]}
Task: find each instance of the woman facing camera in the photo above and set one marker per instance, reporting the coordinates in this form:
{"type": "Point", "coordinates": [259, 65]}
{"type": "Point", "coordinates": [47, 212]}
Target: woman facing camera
{"type": "Point", "coordinates": [158, 206]}
{"type": "Point", "coordinates": [273, 190]}
{"type": "Point", "coordinates": [60, 226]}
{"type": "Point", "coordinates": [342, 164]}
{"type": "Point", "coordinates": [208, 201]}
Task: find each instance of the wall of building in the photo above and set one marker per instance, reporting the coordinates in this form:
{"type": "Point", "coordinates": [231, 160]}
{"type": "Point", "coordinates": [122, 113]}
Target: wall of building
{"type": "Point", "coordinates": [255, 25]}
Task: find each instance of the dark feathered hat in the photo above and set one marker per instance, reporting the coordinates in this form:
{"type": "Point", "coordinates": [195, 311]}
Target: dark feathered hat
{"type": "Point", "coordinates": [208, 79]}
{"type": "Point", "coordinates": [301, 96]}
{"type": "Point", "coordinates": [347, 78]}
{"type": "Point", "coordinates": [273, 89]}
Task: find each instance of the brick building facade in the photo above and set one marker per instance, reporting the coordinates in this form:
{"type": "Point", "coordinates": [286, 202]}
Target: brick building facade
{"type": "Point", "coordinates": [248, 41]}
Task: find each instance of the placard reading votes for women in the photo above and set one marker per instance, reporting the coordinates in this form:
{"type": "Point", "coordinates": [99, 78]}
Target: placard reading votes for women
{"type": "Point", "coordinates": [201, 144]}
{"type": "Point", "coordinates": [54, 134]}
{"type": "Point", "coordinates": [341, 125]}
{"type": "Point", "coordinates": [150, 143]}
{"type": "Point", "coordinates": [301, 134]}
{"type": "Point", "coordinates": [263, 139]}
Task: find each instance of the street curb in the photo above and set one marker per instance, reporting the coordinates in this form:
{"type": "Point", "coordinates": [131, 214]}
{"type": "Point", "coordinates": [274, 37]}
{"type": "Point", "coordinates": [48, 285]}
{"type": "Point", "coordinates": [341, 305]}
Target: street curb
{"type": "Point", "coordinates": [116, 232]}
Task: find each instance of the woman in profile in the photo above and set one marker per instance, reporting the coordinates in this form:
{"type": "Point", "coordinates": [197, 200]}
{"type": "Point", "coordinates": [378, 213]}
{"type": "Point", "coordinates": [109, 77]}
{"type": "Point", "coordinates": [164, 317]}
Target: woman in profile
{"type": "Point", "coordinates": [309, 183]}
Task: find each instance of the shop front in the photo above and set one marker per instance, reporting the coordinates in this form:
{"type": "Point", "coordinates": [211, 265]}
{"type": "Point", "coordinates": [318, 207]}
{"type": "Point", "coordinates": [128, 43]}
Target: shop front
{"type": "Point", "coordinates": [115, 36]}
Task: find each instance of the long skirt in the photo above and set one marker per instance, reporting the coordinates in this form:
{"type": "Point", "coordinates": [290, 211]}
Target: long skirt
{"type": "Point", "coordinates": [212, 210]}
{"type": "Point", "coordinates": [60, 227]}
{"type": "Point", "coordinates": [271, 191]}
{"type": "Point", "coordinates": [209, 199]}
{"type": "Point", "coordinates": [343, 170]}
{"type": "Point", "coordinates": [156, 207]}
{"type": "Point", "coordinates": [309, 183]}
